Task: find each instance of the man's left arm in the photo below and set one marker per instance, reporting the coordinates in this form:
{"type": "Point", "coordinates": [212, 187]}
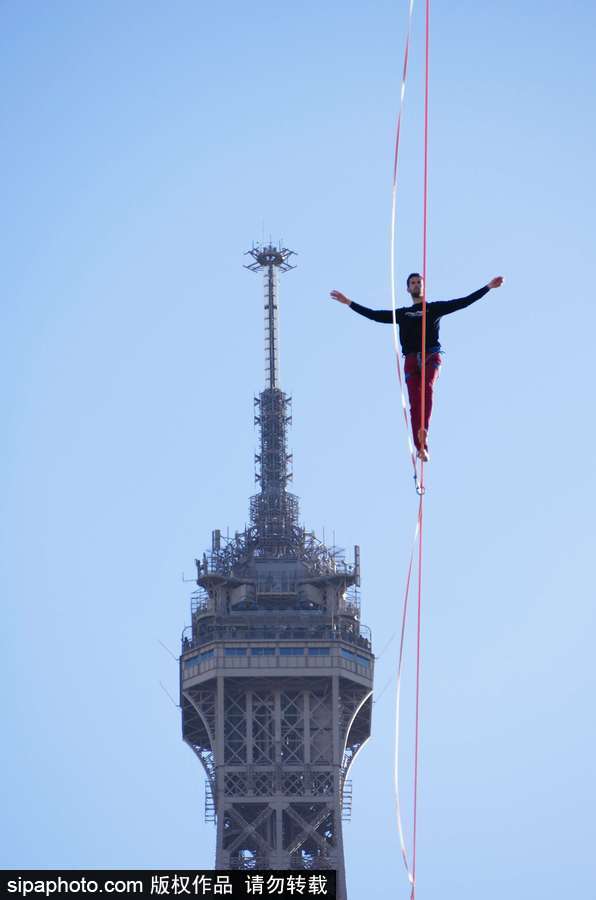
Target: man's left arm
{"type": "Point", "coordinates": [444, 307]}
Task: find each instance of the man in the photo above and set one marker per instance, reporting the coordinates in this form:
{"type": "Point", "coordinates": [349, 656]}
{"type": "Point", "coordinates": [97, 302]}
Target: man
{"type": "Point", "coordinates": [409, 320]}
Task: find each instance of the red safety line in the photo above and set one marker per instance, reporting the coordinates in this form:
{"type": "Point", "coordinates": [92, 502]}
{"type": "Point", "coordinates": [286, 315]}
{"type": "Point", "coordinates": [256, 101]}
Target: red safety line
{"type": "Point", "coordinates": [425, 220]}
{"type": "Point", "coordinates": [392, 241]}
{"type": "Point", "coordinates": [422, 411]}
{"type": "Point", "coordinates": [417, 727]}
{"type": "Point", "coordinates": [418, 479]}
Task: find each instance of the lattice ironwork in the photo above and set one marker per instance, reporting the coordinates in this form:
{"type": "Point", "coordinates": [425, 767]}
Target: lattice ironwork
{"type": "Point", "coordinates": [263, 728]}
{"type": "Point", "coordinates": [321, 737]}
{"type": "Point", "coordinates": [203, 700]}
{"type": "Point", "coordinates": [249, 827]}
{"type": "Point", "coordinates": [197, 717]}
{"type": "Point", "coordinates": [236, 784]}
{"type": "Point", "coordinates": [235, 728]}
{"type": "Point", "coordinates": [309, 826]}
{"type": "Point", "coordinates": [350, 698]}
{"type": "Point", "coordinates": [292, 727]}
{"type": "Point", "coordinates": [263, 783]}
{"type": "Point", "coordinates": [293, 783]}
{"type": "Point", "coordinates": [322, 783]}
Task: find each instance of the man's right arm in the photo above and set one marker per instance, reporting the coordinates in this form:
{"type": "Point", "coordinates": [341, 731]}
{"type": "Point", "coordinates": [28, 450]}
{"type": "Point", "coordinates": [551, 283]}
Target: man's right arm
{"type": "Point", "coordinates": [377, 315]}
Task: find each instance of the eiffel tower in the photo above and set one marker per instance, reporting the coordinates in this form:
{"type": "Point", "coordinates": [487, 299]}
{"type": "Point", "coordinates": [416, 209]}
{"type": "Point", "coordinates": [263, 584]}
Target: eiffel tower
{"type": "Point", "coordinates": [276, 670]}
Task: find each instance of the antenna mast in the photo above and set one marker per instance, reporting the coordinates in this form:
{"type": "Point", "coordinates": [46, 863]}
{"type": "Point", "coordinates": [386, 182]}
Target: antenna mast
{"type": "Point", "coordinates": [274, 511]}
{"type": "Point", "coordinates": [269, 259]}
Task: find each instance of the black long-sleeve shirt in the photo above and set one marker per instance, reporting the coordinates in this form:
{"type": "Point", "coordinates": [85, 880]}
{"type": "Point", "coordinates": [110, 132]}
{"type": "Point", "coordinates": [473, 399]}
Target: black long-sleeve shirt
{"type": "Point", "coordinates": [409, 319]}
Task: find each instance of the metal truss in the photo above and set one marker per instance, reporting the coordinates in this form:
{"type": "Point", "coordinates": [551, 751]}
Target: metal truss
{"type": "Point", "coordinates": [276, 668]}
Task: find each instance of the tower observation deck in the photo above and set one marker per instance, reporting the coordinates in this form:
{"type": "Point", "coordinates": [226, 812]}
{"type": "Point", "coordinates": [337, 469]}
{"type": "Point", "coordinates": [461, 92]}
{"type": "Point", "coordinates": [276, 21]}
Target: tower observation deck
{"type": "Point", "coordinates": [276, 670]}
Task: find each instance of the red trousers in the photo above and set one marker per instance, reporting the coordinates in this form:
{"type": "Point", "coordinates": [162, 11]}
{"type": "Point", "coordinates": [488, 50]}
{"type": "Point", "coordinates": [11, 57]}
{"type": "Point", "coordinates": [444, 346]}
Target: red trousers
{"type": "Point", "coordinates": [413, 375]}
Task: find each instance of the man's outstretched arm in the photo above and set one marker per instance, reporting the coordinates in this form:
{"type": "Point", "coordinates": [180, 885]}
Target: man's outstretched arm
{"type": "Point", "coordinates": [444, 307]}
{"type": "Point", "coordinates": [377, 315]}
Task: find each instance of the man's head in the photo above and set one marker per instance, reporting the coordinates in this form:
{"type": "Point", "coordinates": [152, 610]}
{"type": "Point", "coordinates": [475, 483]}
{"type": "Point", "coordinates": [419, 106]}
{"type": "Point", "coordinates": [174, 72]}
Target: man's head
{"type": "Point", "coordinates": [415, 286]}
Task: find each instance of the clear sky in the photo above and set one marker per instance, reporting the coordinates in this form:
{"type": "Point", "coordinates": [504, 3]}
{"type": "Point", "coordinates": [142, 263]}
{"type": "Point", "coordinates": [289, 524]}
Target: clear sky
{"type": "Point", "coordinates": [145, 146]}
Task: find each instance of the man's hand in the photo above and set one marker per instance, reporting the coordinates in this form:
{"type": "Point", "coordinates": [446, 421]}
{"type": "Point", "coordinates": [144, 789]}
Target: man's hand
{"type": "Point", "coordinates": [496, 282]}
{"type": "Point", "coordinates": [337, 295]}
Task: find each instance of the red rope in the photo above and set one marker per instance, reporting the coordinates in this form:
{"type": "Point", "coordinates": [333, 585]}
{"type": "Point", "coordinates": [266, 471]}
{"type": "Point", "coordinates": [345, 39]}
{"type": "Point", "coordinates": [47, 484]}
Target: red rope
{"type": "Point", "coordinates": [422, 418]}
{"type": "Point", "coordinates": [417, 727]}
{"type": "Point", "coordinates": [425, 222]}
{"type": "Point", "coordinates": [420, 480]}
{"type": "Point", "coordinates": [392, 241]}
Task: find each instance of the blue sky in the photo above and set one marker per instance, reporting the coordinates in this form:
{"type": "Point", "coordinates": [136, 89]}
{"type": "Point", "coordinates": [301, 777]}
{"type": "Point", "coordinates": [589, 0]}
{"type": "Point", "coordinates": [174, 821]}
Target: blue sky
{"type": "Point", "coordinates": [145, 147]}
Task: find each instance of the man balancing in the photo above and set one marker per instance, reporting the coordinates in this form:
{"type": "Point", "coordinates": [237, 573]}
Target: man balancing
{"type": "Point", "coordinates": [409, 320]}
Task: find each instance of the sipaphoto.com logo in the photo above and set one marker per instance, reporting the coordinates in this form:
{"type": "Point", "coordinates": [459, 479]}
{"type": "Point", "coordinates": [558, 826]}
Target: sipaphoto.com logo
{"type": "Point", "coordinates": [49, 886]}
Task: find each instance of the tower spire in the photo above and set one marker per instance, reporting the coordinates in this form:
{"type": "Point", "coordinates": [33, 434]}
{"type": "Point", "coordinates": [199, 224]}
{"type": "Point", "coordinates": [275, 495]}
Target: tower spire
{"type": "Point", "coordinates": [270, 259]}
{"type": "Point", "coordinates": [274, 511]}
